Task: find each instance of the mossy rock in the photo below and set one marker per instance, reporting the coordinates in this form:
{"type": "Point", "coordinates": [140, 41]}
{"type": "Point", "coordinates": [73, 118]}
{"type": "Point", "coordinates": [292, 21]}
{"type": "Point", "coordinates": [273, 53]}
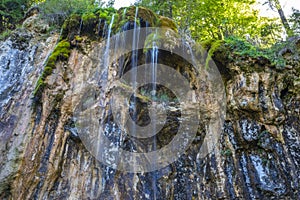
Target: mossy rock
{"type": "Point", "coordinates": [106, 14]}
{"type": "Point", "coordinates": [164, 38]}
{"type": "Point", "coordinates": [71, 27]}
{"type": "Point", "coordinates": [143, 13]}
{"type": "Point", "coordinates": [166, 22]}
{"type": "Point", "coordinates": [145, 17]}
{"type": "Point", "coordinates": [88, 18]}
{"type": "Point", "coordinates": [47, 71]}
{"type": "Point", "coordinates": [78, 38]}
{"type": "Point", "coordinates": [90, 23]}
{"type": "Point", "coordinates": [87, 24]}
{"type": "Point", "coordinates": [61, 52]}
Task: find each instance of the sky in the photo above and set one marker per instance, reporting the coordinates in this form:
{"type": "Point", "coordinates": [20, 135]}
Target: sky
{"type": "Point", "coordinates": [264, 10]}
{"type": "Point", "coordinates": [285, 4]}
{"type": "Point", "coordinates": [123, 3]}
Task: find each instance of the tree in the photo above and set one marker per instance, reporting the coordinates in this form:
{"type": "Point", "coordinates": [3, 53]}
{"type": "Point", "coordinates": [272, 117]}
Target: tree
{"type": "Point", "coordinates": [215, 19]}
{"type": "Point", "coordinates": [218, 19]}
{"type": "Point", "coordinates": [110, 3]}
{"type": "Point", "coordinates": [11, 12]}
{"type": "Point", "coordinates": [56, 11]}
{"type": "Point", "coordinates": [295, 21]}
{"type": "Point", "coordinates": [161, 7]}
{"type": "Point", "coordinates": [275, 4]}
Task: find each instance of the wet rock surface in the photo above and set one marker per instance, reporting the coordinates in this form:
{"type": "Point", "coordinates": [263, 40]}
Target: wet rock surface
{"type": "Point", "coordinates": [21, 60]}
{"type": "Point", "coordinates": [42, 157]}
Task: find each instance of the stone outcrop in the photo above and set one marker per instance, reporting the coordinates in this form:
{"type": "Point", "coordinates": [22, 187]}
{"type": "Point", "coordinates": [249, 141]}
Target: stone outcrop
{"type": "Point", "coordinates": [42, 156]}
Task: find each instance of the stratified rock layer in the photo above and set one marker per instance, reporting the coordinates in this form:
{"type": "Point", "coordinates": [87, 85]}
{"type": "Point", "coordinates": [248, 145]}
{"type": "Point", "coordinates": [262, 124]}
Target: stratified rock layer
{"type": "Point", "coordinates": [42, 156]}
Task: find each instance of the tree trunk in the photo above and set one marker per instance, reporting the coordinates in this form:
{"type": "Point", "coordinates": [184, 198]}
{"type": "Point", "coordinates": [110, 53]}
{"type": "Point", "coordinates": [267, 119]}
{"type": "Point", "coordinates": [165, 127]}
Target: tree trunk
{"type": "Point", "coordinates": [284, 20]}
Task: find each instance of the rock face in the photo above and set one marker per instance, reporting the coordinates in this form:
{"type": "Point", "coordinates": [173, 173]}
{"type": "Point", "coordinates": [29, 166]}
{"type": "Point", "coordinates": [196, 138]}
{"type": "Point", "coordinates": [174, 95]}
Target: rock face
{"type": "Point", "coordinates": [42, 156]}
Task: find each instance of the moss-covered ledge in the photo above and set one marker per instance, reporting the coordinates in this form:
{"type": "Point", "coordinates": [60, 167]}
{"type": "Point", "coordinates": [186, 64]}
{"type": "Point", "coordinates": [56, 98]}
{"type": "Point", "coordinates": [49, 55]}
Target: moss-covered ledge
{"type": "Point", "coordinates": [238, 50]}
{"type": "Point", "coordinates": [61, 52]}
{"type": "Point", "coordinates": [93, 26]}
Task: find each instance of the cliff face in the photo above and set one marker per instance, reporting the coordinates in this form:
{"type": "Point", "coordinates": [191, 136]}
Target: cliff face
{"type": "Point", "coordinates": [43, 157]}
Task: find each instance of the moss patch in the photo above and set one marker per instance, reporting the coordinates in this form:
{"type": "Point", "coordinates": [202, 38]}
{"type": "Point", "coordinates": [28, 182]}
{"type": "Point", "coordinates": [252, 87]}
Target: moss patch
{"type": "Point", "coordinates": [71, 26]}
{"type": "Point", "coordinates": [143, 13]}
{"type": "Point", "coordinates": [243, 48]}
{"type": "Point", "coordinates": [166, 22]}
{"type": "Point", "coordinates": [163, 38]}
{"type": "Point", "coordinates": [145, 17]}
{"type": "Point", "coordinates": [61, 52]}
{"type": "Point", "coordinates": [235, 48]}
{"type": "Point", "coordinates": [5, 34]}
{"type": "Point", "coordinates": [88, 17]}
{"type": "Point", "coordinates": [87, 23]}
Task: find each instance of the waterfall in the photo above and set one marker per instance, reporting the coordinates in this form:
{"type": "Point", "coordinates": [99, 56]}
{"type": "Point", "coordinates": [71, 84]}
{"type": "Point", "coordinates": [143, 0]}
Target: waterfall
{"type": "Point", "coordinates": [102, 81]}
{"type": "Point", "coordinates": [106, 55]}
{"type": "Point", "coordinates": [121, 43]}
{"type": "Point", "coordinates": [134, 62]}
{"type": "Point", "coordinates": [154, 60]}
{"type": "Point", "coordinates": [104, 29]}
{"type": "Point", "coordinates": [80, 26]}
{"type": "Point", "coordinates": [99, 27]}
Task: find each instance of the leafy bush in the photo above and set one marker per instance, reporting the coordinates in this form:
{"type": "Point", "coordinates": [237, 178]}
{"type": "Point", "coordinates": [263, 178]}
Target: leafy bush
{"type": "Point", "coordinates": [295, 21]}
{"type": "Point", "coordinates": [11, 12]}
{"type": "Point", "coordinates": [245, 48]}
{"type": "Point", "coordinates": [56, 11]}
{"type": "Point", "coordinates": [5, 34]}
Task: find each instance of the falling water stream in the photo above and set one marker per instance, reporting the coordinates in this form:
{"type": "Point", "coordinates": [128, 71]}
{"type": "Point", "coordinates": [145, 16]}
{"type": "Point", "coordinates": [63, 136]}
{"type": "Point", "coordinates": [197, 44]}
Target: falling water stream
{"type": "Point", "coordinates": [106, 55]}
{"type": "Point", "coordinates": [80, 27]}
{"type": "Point", "coordinates": [153, 90]}
{"type": "Point", "coordinates": [61, 163]}
{"type": "Point", "coordinates": [154, 59]}
{"type": "Point", "coordinates": [103, 82]}
{"type": "Point", "coordinates": [134, 63]}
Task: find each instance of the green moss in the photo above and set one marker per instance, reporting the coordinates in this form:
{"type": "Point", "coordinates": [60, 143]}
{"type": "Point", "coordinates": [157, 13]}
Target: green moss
{"type": "Point", "coordinates": [206, 44]}
{"type": "Point", "coordinates": [61, 52]}
{"type": "Point", "coordinates": [5, 34]}
{"type": "Point", "coordinates": [226, 152]}
{"type": "Point", "coordinates": [70, 26]}
{"type": "Point", "coordinates": [215, 46]}
{"type": "Point", "coordinates": [242, 47]}
{"type": "Point", "coordinates": [163, 38]}
{"type": "Point", "coordinates": [166, 22]}
{"type": "Point", "coordinates": [152, 38]}
{"type": "Point", "coordinates": [87, 17]}
{"type": "Point", "coordinates": [143, 14]}
{"type": "Point", "coordinates": [103, 15]}
{"type": "Point", "coordinates": [86, 23]}
{"type": "Point", "coordinates": [212, 46]}
{"type": "Point", "coordinates": [39, 86]}
{"type": "Point", "coordinates": [106, 14]}
{"type": "Point", "coordinates": [78, 38]}
{"type": "Point", "coordinates": [47, 71]}
{"type": "Point", "coordinates": [237, 48]}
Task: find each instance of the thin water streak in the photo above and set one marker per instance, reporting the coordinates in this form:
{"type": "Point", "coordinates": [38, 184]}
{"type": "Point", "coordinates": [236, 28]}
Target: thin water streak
{"type": "Point", "coordinates": [80, 26]}
{"type": "Point", "coordinates": [154, 61]}
{"type": "Point", "coordinates": [103, 83]}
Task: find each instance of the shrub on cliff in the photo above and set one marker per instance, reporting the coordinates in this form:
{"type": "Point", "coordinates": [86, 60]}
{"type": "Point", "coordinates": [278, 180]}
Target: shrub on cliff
{"type": "Point", "coordinates": [11, 12]}
{"type": "Point", "coordinates": [56, 11]}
